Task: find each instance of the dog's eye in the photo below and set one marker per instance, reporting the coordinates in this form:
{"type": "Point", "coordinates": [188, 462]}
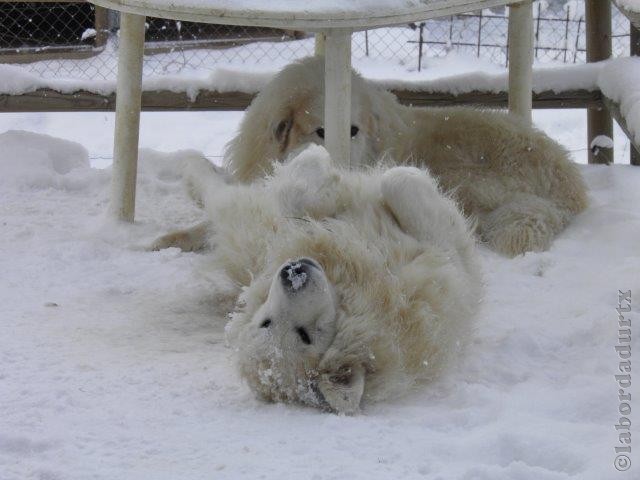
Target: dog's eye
{"type": "Point", "coordinates": [354, 131]}
{"type": "Point", "coordinates": [304, 336]}
{"type": "Point", "coordinates": [320, 132]}
{"type": "Point", "coordinates": [265, 323]}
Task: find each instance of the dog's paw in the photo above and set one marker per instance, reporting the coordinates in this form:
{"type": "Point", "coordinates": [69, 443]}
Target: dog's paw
{"type": "Point", "coordinates": [308, 184]}
{"type": "Point", "coordinates": [406, 182]}
{"type": "Point", "coordinates": [189, 240]}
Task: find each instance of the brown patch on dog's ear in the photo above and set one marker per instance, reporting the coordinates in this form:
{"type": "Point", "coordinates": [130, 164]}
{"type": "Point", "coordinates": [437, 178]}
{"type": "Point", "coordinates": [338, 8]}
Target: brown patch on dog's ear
{"type": "Point", "coordinates": [282, 131]}
{"type": "Point", "coordinates": [343, 389]}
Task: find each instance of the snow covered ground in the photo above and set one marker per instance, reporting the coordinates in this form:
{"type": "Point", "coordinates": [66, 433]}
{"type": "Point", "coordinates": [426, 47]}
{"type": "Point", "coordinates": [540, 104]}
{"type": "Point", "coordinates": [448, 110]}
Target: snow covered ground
{"type": "Point", "coordinates": [113, 363]}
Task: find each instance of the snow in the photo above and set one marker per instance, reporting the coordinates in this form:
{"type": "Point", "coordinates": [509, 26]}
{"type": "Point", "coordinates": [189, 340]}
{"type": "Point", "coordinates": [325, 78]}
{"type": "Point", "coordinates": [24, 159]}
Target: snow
{"type": "Point", "coordinates": [633, 5]}
{"type": "Point", "coordinates": [490, 78]}
{"type": "Point", "coordinates": [88, 33]}
{"type": "Point", "coordinates": [312, 13]}
{"type": "Point", "coordinates": [113, 363]}
{"type": "Point", "coordinates": [619, 82]}
{"type": "Point", "coordinates": [601, 141]}
{"type": "Point", "coordinates": [296, 276]}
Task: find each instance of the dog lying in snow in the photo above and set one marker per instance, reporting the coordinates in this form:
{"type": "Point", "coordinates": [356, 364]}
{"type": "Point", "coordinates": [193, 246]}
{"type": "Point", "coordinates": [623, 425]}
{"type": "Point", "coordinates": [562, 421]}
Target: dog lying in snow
{"type": "Point", "coordinates": [352, 286]}
{"type": "Point", "coordinates": [518, 184]}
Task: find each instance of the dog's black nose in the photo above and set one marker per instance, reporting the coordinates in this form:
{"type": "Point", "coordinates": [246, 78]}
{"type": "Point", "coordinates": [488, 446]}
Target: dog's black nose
{"type": "Point", "coordinates": [295, 275]}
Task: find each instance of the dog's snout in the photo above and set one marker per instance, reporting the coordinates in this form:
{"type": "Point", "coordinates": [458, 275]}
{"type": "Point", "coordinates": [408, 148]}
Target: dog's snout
{"type": "Point", "coordinates": [295, 275]}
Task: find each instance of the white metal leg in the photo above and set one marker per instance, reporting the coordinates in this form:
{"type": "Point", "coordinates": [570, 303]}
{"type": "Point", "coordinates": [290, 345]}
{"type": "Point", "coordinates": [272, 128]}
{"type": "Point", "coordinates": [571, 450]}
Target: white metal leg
{"type": "Point", "coordinates": [319, 45]}
{"type": "Point", "coordinates": [337, 102]}
{"type": "Point", "coordinates": [128, 102]}
{"type": "Point", "coordinates": [521, 59]}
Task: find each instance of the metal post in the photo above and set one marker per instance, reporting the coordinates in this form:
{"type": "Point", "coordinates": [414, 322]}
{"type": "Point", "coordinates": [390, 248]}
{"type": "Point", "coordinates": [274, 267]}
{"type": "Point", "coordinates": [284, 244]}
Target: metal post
{"type": "Point", "coordinates": [128, 100]}
{"type": "Point", "coordinates": [337, 101]}
{"type": "Point", "coordinates": [320, 44]}
{"type": "Point", "coordinates": [635, 51]}
{"type": "Point", "coordinates": [599, 122]}
{"type": "Point", "coordinates": [521, 59]}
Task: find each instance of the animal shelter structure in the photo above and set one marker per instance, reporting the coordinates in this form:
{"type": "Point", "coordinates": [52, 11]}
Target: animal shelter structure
{"type": "Point", "coordinates": [333, 23]}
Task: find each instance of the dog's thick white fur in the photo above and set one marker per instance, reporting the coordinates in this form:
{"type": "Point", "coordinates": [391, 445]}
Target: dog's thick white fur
{"type": "Point", "coordinates": [518, 184]}
{"type": "Point", "coordinates": [352, 286]}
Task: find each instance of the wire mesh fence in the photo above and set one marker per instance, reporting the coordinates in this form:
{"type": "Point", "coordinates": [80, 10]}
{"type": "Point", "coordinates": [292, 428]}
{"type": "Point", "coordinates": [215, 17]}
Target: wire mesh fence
{"type": "Point", "coordinates": [78, 40]}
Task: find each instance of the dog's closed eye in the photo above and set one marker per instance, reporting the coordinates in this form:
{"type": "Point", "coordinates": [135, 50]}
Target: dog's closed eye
{"type": "Point", "coordinates": [265, 323]}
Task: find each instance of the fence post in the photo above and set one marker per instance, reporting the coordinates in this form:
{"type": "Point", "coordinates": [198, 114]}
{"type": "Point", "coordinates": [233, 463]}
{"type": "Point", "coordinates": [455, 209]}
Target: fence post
{"type": "Point", "coordinates": [577, 46]}
{"type": "Point", "coordinates": [538, 30]}
{"type": "Point", "coordinates": [366, 43]}
{"type": "Point", "coordinates": [566, 37]}
{"type": "Point", "coordinates": [479, 33]}
{"type": "Point", "coordinates": [101, 24]}
{"type": "Point", "coordinates": [635, 51]}
{"type": "Point", "coordinates": [521, 59]}
{"type": "Point", "coordinates": [599, 121]}
{"type": "Point", "coordinates": [420, 41]}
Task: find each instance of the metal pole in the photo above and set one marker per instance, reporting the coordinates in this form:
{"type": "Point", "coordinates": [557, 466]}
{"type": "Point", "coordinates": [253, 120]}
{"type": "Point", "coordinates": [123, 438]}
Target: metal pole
{"type": "Point", "coordinates": [521, 59]}
{"type": "Point", "coordinates": [128, 102]}
{"type": "Point", "coordinates": [599, 122]}
{"type": "Point", "coordinates": [635, 51]}
{"type": "Point", "coordinates": [337, 100]}
{"type": "Point", "coordinates": [320, 44]}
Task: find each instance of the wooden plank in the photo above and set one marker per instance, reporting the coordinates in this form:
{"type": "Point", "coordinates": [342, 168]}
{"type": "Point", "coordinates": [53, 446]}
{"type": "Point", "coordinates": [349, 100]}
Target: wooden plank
{"type": "Point", "coordinates": [546, 99]}
{"type": "Point", "coordinates": [44, 1]}
{"type": "Point", "coordinates": [599, 122]}
{"type": "Point", "coordinates": [101, 24]}
{"type": "Point", "coordinates": [38, 54]}
{"type": "Point", "coordinates": [46, 100]}
{"type": "Point", "coordinates": [634, 17]}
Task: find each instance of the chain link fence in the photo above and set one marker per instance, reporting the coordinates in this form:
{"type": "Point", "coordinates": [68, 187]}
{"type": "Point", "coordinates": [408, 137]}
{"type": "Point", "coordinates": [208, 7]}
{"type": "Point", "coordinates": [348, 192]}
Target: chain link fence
{"type": "Point", "coordinates": [80, 41]}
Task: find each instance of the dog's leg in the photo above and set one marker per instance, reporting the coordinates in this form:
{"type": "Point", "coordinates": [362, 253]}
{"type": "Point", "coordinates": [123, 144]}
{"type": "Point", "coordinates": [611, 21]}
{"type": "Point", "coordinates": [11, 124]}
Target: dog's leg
{"type": "Point", "coordinates": [421, 210]}
{"type": "Point", "coordinates": [523, 224]}
{"type": "Point", "coordinates": [203, 181]}
{"type": "Point", "coordinates": [308, 185]}
{"type": "Point", "coordinates": [191, 239]}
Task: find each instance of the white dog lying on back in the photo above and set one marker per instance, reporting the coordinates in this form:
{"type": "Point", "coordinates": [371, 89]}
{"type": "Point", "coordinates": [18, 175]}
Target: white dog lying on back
{"type": "Point", "coordinates": [352, 286]}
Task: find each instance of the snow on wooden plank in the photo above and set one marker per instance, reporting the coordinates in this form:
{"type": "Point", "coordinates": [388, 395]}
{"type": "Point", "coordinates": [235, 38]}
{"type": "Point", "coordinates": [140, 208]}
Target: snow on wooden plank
{"type": "Point", "coordinates": [47, 100]}
{"type": "Point", "coordinates": [631, 9]}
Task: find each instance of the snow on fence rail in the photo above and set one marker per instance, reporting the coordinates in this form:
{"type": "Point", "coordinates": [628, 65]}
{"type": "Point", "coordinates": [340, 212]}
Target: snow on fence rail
{"type": "Point", "coordinates": [78, 40]}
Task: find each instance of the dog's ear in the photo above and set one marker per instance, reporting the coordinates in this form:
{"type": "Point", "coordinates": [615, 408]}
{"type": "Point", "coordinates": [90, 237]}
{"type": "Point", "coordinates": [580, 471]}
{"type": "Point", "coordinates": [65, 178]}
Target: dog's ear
{"type": "Point", "coordinates": [282, 130]}
{"type": "Point", "coordinates": [343, 389]}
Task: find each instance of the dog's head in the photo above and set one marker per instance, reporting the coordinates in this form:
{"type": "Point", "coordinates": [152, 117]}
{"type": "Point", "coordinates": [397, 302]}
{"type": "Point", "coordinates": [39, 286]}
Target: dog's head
{"type": "Point", "coordinates": [287, 336]}
{"type": "Point", "coordinates": [289, 113]}
{"type": "Point", "coordinates": [309, 325]}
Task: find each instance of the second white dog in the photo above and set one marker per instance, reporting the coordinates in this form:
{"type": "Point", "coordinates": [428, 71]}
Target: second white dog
{"type": "Point", "coordinates": [519, 185]}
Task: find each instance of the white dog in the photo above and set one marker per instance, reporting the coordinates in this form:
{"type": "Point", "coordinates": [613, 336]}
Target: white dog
{"type": "Point", "coordinates": [518, 184]}
{"type": "Point", "coordinates": [351, 285]}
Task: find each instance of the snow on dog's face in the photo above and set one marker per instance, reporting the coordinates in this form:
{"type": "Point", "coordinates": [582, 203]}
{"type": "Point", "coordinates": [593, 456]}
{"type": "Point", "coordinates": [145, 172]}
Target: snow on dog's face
{"type": "Point", "coordinates": [286, 337]}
